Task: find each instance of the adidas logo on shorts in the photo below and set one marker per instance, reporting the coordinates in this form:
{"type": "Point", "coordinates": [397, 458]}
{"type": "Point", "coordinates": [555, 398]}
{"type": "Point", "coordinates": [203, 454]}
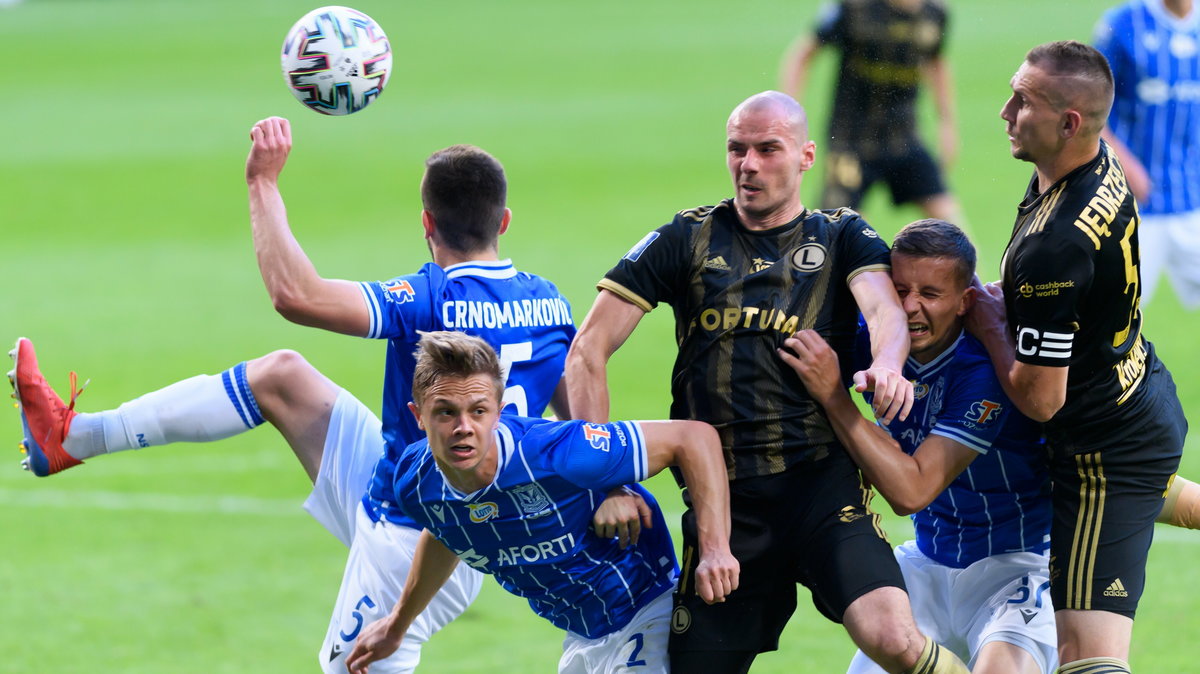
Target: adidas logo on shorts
{"type": "Point", "coordinates": [1117, 589]}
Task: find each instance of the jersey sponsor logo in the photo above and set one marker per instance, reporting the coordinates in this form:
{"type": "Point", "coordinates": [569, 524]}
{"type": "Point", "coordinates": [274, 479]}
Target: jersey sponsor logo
{"type": "Point", "coordinates": [752, 318]}
{"type": "Point", "coordinates": [482, 512]}
{"type": "Point", "coordinates": [1116, 589]}
{"type": "Point", "coordinates": [597, 436]}
{"type": "Point", "coordinates": [870, 233]}
{"type": "Point", "coordinates": [851, 513]}
{"type": "Point", "coordinates": [983, 412]}
{"type": "Point", "coordinates": [533, 500]}
{"type": "Point", "coordinates": [912, 437]}
{"type": "Point", "coordinates": [717, 263]}
{"type": "Point", "coordinates": [640, 247]}
{"type": "Point", "coordinates": [1032, 342]}
{"type": "Point", "coordinates": [1047, 289]}
{"type": "Point", "coordinates": [1154, 91]}
{"type": "Point", "coordinates": [539, 551]}
{"type": "Point", "coordinates": [920, 389]}
{"type": "Point", "coordinates": [472, 558]}
{"type": "Point", "coordinates": [538, 312]}
{"type": "Point", "coordinates": [1182, 45]}
{"type": "Point", "coordinates": [809, 258]}
{"type": "Point", "coordinates": [401, 290]}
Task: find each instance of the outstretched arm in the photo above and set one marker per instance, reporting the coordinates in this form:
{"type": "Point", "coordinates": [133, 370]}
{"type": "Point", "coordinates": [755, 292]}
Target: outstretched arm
{"type": "Point", "coordinates": [909, 483]}
{"type": "Point", "coordinates": [695, 448]}
{"type": "Point", "coordinates": [298, 292]}
{"type": "Point", "coordinates": [880, 306]}
{"type": "Point", "coordinates": [432, 565]}
{"type": "Point", "coordinates": [608, 324]}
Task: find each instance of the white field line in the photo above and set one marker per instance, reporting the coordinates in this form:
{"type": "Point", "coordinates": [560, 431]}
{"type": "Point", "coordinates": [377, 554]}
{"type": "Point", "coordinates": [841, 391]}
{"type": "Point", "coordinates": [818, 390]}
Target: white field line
{"type": "Point", "coordinates": [162, 503]}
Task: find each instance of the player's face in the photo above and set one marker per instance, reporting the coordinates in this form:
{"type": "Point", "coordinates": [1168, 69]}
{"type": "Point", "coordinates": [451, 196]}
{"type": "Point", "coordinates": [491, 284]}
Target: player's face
{"type": "Point", "coordinates": [1033, 122]}
{"type": "Point", "coordinates": [766, 160]}
{"type": "Point", "coordinates": [934, 301]}
{"type": "Point", "coordinates": [458, 416]}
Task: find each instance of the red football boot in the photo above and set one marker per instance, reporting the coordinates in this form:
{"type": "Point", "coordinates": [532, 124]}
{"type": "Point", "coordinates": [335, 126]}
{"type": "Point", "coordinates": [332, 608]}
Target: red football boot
{"type": "Point", "coordinates": [44, 417]}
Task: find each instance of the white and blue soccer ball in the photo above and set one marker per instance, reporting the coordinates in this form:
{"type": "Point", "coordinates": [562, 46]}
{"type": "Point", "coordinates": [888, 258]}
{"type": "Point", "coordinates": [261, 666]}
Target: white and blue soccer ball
{"type": "Point", "coordinates": [336, 60]}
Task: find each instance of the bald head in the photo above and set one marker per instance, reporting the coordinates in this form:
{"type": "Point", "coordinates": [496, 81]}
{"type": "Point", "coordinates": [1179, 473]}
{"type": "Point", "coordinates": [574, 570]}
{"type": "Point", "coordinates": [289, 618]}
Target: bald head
{"type": "Point", "coordinates": [775, 104]}
{"type": "Point", "coordinates": [1080, 79]}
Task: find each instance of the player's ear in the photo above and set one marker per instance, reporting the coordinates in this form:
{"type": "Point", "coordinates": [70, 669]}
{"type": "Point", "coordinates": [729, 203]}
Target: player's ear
{"type": "Point", "coordinates": [1071, 123]}
{"type": "Point", "coordinates": [966, 301]}
{"type": "Point", "coordinates": [427, 223]}
{"type": "Point", "coordinates": [504, 221]}
{"type": "Point", "coordinates": [808, 155]}
{"type": "Point", "coordinates": [416, 412]}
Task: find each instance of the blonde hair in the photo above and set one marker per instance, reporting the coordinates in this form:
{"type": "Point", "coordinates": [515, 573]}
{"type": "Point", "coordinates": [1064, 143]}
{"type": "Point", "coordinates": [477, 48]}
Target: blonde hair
{"type": "Point", "coordinates": [446, 354]}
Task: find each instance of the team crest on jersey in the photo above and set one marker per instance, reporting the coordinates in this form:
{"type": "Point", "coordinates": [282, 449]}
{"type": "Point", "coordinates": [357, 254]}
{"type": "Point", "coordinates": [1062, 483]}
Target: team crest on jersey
{"type": "Point", "coordinates": [597, 436]}
{"type": "Point", "coordinates": [920, 389]}
{"type": "Point", "coordinates": [482, 512]}
{"type": "Point", "coordinates": [401, 290]}
{"type": "Point", "coordinates": [532, 499]}
{"type": "Point", "coordinates": [983, 412]}
{"type": "Point", "coordinates": [809, 257]}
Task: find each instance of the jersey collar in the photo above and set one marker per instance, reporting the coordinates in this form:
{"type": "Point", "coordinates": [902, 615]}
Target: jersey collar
{"type": "Point", "coordinates": [938, 361]}
{"type": "Point", "coordinates": [493, 269]}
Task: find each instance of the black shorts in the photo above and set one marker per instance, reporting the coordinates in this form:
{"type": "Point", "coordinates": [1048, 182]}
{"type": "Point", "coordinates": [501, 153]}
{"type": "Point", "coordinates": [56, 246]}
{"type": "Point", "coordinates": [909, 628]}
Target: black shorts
{"type": "Point", "coordinates": [1106, 499]}
{"type": "Point", "coordinates": [810, 525]}
{"type": "Point", "coordinates": [912, 177]}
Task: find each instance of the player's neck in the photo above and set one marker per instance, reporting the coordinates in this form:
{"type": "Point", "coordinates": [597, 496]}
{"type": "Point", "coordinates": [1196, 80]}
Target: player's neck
{"type": "Point", "coordinates": [476, 478]}
{"type": "Point", "coordinates": [445, 257]}
{"type": "Point", "coordinates": [1070, 158]}
{"type": "Point", "coordinates": [1180, 8]}
{"type": "Point", "coordinates": [765, 221]}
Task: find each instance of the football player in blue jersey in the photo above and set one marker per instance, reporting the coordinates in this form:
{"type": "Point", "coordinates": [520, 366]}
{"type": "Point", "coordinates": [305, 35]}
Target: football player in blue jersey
{"type": "Point", "coordinates": [338, 440]}
{"type": "Point", "coordinates": [514, 496]}
{"type": "Point", "coordinates": [966, 464]}
{"type": "Point", "coordinates": [1153, 48]}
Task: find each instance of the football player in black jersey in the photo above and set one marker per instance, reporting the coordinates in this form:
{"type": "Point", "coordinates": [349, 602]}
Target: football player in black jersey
{"type": "Point", "coordinates": [1063, 329]}
{"type": "Point", "coordinates": [887, 49]}
{"type": "Point", "coordinates": [742, 276]}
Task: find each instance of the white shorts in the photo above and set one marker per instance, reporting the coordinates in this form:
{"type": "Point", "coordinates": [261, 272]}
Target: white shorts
{"type": "Point", "coordinates": [1171, 243]}
{"type": "Point", "coordinates": [380, 552]}
{"type": "Point", "coordinates": [1000, 598]}
{"type": "Point", "coordinates": [639, 648]}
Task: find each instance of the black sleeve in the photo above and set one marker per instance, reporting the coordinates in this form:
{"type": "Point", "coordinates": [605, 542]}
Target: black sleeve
{"type": "Point", "coordinates": [655, 269]}
{"type": "Point", "coordinates": [1051, 276]}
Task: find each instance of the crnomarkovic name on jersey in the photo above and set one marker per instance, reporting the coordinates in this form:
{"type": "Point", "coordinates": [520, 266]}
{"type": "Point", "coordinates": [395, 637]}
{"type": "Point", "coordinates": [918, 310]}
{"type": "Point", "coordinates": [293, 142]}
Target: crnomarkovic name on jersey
{"type": "Point", "coordinates": [465, 314]}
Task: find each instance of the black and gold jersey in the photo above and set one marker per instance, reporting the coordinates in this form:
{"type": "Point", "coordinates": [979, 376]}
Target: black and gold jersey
{"type": "Point", "coordinates": [737, 294]}
{"type": "Point", "coordinates": [1071, 289]}
{"type": "Point", "coordinates": [882, 51]}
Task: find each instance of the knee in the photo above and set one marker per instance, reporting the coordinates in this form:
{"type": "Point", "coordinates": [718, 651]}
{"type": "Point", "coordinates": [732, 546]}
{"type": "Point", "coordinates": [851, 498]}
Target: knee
{"type": "Point", "coordinates": [277, 370]}
{"type": "Point", "coordinates": [892, 641]}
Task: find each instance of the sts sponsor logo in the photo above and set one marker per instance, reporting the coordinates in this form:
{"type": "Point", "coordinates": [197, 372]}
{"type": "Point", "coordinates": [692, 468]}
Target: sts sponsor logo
{"type": "Point", "coordinates": [482, 512]}
{"type": "Point", "coordinates": [597, 436]}
{"type": "Point", "coordinates": [400, 289]}
{"type": "Point", "coordinates": [983, 412]}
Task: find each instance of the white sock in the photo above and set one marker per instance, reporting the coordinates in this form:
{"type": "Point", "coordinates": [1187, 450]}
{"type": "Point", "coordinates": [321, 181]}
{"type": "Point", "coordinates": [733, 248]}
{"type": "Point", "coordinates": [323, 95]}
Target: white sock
{"type": "Point", "coordinates": [200, 409]}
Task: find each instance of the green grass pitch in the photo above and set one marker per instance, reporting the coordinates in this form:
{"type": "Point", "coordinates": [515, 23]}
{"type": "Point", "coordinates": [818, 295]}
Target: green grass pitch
{"type": "Point", "coordinates": [127, 258]}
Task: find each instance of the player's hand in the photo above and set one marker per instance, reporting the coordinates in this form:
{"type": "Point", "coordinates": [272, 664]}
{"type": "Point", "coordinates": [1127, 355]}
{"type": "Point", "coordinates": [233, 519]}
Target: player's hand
{"type": "Point", "coordinates": [814, 362]}
{"type": "Point", "coordinates": [622, 514]}
{"type": "Point", "coordinates": [717, 575]}
{"type": "Point", "coordinates": [987, 314]}
{"type": "Point", "coordinates": [374, 643]}
{"type": "Point", "coordinates": [893, 392]}
{"type": "Point", "coordinates": [271, 141]}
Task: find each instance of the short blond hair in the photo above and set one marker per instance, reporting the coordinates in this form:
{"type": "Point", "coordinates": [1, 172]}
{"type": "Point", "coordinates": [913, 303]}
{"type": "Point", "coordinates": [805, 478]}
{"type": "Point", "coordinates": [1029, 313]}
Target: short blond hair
{"type": "Point", "coordinates": [448, 353]}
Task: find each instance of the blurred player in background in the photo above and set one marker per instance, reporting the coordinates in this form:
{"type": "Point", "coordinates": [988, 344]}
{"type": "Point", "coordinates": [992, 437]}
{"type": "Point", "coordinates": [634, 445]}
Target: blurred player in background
{"type": "Point", "coordinates": [742, 276]}
{"type": "Point", "coordinates": [338, 440]}
{"type": "Point", "coordinates": [1063, 330]}
{"type": "Point", "coordinates": [513, 497]}
{"type": "Point", "coordinates": [1153, 47]}
{"type": "Point", "coordinates": [887, 48]}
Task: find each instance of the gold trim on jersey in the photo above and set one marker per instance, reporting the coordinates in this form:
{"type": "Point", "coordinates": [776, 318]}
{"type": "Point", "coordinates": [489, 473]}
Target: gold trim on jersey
{"type": "Point", "coordinates": [1038, 222]}
{"type": "Point", "coordinates": [625, 294]}
{"type": "Point", "coordinates": [685, 568]}
{"type": "Point", "coordinates": [1081, 564]}
{"type": "Point", "coordinates": [1104, 206]}
{"type": "Point", "coordinates": [870, 267]}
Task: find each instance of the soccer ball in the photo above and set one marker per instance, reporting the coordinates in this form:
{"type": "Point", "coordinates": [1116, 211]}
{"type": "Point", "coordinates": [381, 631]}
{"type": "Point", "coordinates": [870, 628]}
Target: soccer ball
{"type": "Point", "coordinates": [336, 60]}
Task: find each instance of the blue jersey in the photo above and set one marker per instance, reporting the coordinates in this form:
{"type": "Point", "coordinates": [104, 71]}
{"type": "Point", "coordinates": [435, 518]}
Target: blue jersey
{"type": "Point", "coordinates": [1155, 59]}
{"type": "Point", "coordinates": [530, 528]}
{"type": "Point", "coordinates": [1001, 502]}
{"type": "Point", "coordinates": [522, 316]}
